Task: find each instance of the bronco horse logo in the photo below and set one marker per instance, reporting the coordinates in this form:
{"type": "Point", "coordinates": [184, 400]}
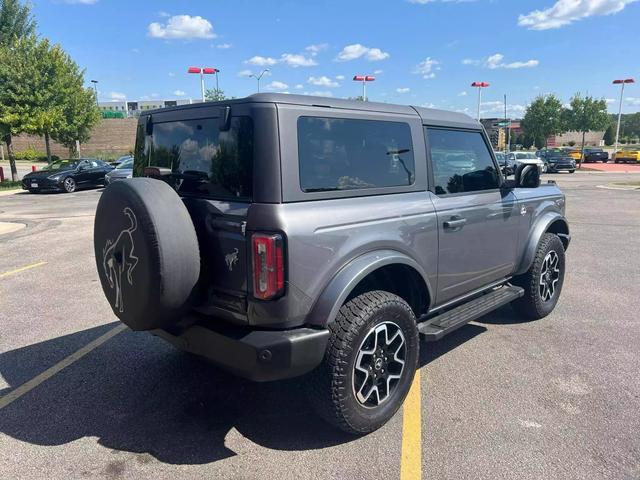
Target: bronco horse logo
{"type": "Point", "coordinates": [118, 258]}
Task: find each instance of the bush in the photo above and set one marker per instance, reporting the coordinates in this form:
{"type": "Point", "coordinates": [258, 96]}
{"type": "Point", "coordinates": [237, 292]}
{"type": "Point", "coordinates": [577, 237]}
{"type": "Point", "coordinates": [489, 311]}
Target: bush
{"type": "Point", "coordinates": [572, 143]}
{"type": "Point", "coordinates": [33, 155]}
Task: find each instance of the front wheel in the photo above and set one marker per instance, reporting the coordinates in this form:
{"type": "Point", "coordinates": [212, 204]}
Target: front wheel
{"type": "Point", "coordinates": [571, 171]}
{"type": "Point", "coordinates": [543, 281]}
{"type": "Point", "coordinates": [69, 185]}
{"type": "Point", "coordinates": [369, 364]}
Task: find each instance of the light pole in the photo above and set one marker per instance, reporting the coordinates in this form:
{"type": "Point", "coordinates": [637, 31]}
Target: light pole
{"type": "Point", "coordinates": [95, 89]}
{"type": "Point", "coordinates": [203, 71]}
{"type": "Point", "coordinates": [479, 86]}
{"type": "Point", "coordinates": [258, 77]}
{"type": "Point", "coordinates": [623, 83]}
{"type": "Point", "coordinates": [364, 79]}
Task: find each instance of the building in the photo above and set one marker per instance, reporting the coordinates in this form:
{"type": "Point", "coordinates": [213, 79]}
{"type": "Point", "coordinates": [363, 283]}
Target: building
{"type": "Point", "coordinates": [133, 108]}
{"type": "Point", "coordinates": [498, 133]}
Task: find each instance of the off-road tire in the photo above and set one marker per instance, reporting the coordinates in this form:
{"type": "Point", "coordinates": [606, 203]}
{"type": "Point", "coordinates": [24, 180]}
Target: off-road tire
{"type": "Point", "coordinates": [330, 387]}
{"type": "Point", "coordinates": [531, 304]}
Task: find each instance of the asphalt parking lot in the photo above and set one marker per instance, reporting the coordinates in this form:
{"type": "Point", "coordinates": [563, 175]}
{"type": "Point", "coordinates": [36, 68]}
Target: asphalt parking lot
{"type": "Point", "coordinates": [500, 398]}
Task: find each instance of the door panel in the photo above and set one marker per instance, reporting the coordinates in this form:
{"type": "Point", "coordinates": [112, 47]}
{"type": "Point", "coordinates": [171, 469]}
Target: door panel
{"type": "Point", "coordinates": [477, 236]}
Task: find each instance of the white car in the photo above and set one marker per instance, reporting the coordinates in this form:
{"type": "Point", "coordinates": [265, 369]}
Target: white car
{"type": "Point", "coordinates": [518, 157]}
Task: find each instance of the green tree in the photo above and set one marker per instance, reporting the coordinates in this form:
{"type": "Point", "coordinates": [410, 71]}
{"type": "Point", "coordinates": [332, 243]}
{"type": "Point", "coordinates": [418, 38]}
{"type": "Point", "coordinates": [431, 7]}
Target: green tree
{"type": "Point", "coordinates": [215, 95]}
{"type": "Point", "coordinates": [80, 114]}
{"type": "Point", "coordinates": [585, 115]}
{"type": "Point", "coordinates": [527, 141]}
{"type": "Point", "coordinates": [609, 135]}
{"type": "Point", "coordinates": [540, 142]}
{"type": "Point", "coordinates": [16, 23]}
{"type": "Point", "coordinates": [543, 118]}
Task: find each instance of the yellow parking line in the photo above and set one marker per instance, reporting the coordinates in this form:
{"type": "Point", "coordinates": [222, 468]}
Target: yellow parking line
{"type": "Point", "coordinates": [22, 269]}
{"type": "Point", "coordinates": [411, 462]}
{"type": "Point", "coordinates": [13, 395]}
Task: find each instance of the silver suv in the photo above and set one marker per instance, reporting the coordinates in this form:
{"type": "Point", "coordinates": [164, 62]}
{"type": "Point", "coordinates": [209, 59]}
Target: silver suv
{"type": "Point", "coordinates": [285, 235]}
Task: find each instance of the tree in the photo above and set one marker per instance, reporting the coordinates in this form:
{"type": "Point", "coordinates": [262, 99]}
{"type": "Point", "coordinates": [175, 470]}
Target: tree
{"type": "Point", "coordinates": [540, 142]}
{"type": "Point", "coordinates": [585, 115]}
{"type": "Point", "coordinates": [215, 95]}
{"type": "Point", "coordinates": [80, 115]}
{"type": "Point", "coordinates": [543, 118]}
{"type": "Point", "coordinates": [16, 23]}
{"type": "Point", "coordinates": [609, 135]}
{"type": "Point", "coordinates": [527, 141]}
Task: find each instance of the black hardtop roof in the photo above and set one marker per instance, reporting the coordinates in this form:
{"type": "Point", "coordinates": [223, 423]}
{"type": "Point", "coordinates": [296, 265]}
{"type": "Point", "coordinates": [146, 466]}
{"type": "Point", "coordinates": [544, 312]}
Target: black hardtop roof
{"type": "Point", "coordinates": [428, 115]}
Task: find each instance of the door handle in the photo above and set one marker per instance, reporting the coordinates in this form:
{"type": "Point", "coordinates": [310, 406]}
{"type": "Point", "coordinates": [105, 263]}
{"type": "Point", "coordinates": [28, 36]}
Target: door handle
{"type": "Point", "coordinates": [455, 222]}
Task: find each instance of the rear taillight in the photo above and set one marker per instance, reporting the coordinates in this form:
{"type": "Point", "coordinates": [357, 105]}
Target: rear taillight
{"type": "Point", "coordinates": [268, 265]}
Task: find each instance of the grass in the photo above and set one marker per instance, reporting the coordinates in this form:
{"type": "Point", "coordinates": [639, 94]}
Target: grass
{"type": "Point", "coordinates": [10, 185]}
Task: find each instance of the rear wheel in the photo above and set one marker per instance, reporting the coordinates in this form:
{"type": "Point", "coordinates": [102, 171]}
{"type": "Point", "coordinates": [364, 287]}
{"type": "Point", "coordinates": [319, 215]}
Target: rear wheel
{"type": "Point", "coordinates": [69, 185]}
{"type": "Point", "coordinates": [369, 364]}
{"type": "Point", "coordinates": [543, 281]}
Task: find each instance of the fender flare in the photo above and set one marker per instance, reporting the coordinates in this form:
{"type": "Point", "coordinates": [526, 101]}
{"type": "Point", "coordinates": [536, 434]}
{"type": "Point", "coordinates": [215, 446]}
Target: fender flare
{"type": "Point", "coordinates": [539, 229]}
{"type": "Point", "coordinates": [340, 286]}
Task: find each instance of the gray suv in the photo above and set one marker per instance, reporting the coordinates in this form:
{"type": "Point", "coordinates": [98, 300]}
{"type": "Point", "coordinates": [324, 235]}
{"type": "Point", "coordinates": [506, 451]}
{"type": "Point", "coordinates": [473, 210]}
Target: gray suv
{"type": "Point", "coordinates": [283, 235]}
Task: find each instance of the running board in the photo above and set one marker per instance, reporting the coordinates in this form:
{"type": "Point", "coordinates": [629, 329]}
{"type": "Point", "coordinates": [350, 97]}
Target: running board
{"type": "Point", "coordinates": [437, 327]}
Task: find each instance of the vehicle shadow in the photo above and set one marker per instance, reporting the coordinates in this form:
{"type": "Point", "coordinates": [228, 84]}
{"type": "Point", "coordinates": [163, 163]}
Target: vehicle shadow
{"type": "Point", "coordinates": [503, 316]}
{"type": "Point", "coordinates": [137, 394]}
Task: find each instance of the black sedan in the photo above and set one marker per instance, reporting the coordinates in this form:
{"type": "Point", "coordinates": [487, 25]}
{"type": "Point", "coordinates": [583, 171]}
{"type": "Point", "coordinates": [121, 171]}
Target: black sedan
{"type": "Point", "coordinates": [67, 176]}
{"type": "Point", "coordinates": [595, 155]}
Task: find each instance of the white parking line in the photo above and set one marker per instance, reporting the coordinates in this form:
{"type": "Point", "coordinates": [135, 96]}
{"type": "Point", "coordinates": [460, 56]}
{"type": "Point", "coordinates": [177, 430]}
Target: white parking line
{"type": "Point", "coordinates": [15, 394]}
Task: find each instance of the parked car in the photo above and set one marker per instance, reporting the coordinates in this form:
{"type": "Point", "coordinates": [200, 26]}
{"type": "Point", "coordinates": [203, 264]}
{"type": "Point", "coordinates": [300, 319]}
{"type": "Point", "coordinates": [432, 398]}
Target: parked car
{"type": "Point", "coordinates": [506, 163]}
{"type": "Point", "coordinates": [67, 176]}
{"type": "Point", "coordinates": [595, 155]}
{"type": "Point", "coordinates": [527, 157]}
{"type": "Point", "coordinates": [286, 235]}
{"type": "Point", "coordinates": [573, 153]}
{"type": "Point", "coordinates": [122, 171]}
{"type": "Point", "coordinates": [120, 160]}
{"type": "Point", "coordinates": [557, 160]}
{"type": "Point", "coordinates": [628, 155]}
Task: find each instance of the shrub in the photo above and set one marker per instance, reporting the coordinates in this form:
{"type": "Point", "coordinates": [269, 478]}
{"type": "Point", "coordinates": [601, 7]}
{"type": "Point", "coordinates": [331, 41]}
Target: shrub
{"type": "Point", "coordinates": [33, 155]}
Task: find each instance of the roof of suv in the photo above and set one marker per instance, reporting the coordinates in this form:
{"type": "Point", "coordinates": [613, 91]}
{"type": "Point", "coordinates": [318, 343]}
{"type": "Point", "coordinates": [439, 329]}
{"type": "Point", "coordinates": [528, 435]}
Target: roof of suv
{"type": "Point", "coordinates": [429, 115]}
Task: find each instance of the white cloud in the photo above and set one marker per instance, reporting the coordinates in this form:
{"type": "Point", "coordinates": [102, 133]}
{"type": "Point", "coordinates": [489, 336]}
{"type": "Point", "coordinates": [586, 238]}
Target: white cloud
{"type": "Point", "coordinates": [496, 61]}
{"type": "Point", "coordinates": [81, 2]}
{"type": "Point", "coordinates": [117, 96]}
{"type": "Point", "coordinates": [322, 82]}
{"type": "Point", "coordinates": [297, 60]}
{"type": "Point", "coordinates": [426, 68]}
{"type": "Point", "coordinates": [275, 85]}
{"type": "Point", "coordinates": [261, 61]}
{"type": "Point", "coordinates": [135, 50]}
{"type": "Point", "coordinates": [378, 72]}
{"type": "Point", "coordinates": [497, 106]}
{"type": "Point", "coordinates": [245, 73]}
{"type": "Point", "coordinates": [424, 2]}
{"type": "Point", "coordinates": [299, 86]}
{"type": "Point", "coordinates": [320, 93]}
{"type": "Point", "coordinates": [339, 77]}
{"type": "Point", "coordinates": [403, 90]}
{"type": "Point", "coordinates": [610, 100]}
{"type": "Point", "coordinates": [632, 100]}
{"type": "Point", "coordinates": [179, 93]}
{"type": "Point", "coordinates": [352, 52]}
{"type": "Point", "coordinates": [565, 12]}
{"type": "Point", "coordinates": [182, 27]}
{"type": "Point", "coordinates": [463, 93]}
{"type": "Point", "coordinates": [223, 46]}
{"type": "Point", "coordinates": [429, 105]}
{"type": "Point", "coordinates": [317, 48]}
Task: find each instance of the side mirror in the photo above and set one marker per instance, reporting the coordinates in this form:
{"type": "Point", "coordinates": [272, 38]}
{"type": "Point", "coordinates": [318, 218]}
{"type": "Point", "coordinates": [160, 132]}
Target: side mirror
{"type": "Point", "coordinates": [528, 174]}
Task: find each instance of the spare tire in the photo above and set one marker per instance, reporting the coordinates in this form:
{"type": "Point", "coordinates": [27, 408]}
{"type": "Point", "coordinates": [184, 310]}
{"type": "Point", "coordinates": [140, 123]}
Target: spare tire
{"type": "Point", "coordinates": [146, 252]}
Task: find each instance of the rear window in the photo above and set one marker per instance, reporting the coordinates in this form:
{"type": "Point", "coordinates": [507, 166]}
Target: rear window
{"type": "Point", "coordinates": [201, 159]}
{"type": "Point", "coordinates": [347, 154]}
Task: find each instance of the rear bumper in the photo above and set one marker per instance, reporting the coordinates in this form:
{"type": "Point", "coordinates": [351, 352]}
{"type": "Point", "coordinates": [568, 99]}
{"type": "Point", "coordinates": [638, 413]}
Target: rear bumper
{"type": "Point", "coordinates": [258, 355]}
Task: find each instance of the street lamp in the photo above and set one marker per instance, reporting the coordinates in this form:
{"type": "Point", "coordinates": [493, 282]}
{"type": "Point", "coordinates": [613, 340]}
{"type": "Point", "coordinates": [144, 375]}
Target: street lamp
{"type": "Point", "coordinates": [204, 71]}
{"type": "Point", "coordinates": [95, 88]}
{"type": "Point", "coordinates": [479, 86]}
{"type": "Point", "coordinates": [259, 76]}
{"type": "Point", "coordinates": [623, 83]}
{"type": "Point", "coordinates": [364, 79]}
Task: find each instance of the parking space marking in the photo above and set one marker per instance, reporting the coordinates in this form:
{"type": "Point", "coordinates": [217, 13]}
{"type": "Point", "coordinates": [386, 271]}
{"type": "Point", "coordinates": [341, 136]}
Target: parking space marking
{"type": "Point", "coordinates": [22, 269]}
{"type": "Point", "coordinates": [411, 462]}
{"type": "Point", "coordinates": [64, 363]}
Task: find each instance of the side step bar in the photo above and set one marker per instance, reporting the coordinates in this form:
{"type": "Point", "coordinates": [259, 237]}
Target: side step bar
{"type": "Point", "coordinates": [437, 327]}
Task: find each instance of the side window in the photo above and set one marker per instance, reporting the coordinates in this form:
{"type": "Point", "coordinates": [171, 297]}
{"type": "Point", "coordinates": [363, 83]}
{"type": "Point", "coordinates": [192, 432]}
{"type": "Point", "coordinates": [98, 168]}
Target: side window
{"type": "Point", "coordinates": [461, 161]}
{"type": "Point", "coordinates": [346, 154]}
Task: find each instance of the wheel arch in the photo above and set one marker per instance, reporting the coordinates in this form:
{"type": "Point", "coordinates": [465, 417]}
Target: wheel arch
{"type": "Point", "coordinates": [550, 222]}
{"type": "Point", "coordinates": [387, 270]}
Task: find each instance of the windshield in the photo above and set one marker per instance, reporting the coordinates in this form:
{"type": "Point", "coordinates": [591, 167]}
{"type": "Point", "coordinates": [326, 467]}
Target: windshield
{"type": "Point", "coordinates": [128, 163]}
{"type": "Point", "coordinates": [556, 153]}
{"type": "Point", "coordinates": [63, 165]}
{"type": "Point", "coordinates": [500, 156]}
{"type": "Point", "coordinates": [200, 158]}
{"type": "Point", "coordinates": [526, 156]}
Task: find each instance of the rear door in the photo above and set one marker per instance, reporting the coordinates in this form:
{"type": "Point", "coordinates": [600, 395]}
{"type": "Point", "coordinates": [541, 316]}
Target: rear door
{"type": "Point", "coordinates": [212, 170]}
{"type": "Point", "coordinates": [477, 221]}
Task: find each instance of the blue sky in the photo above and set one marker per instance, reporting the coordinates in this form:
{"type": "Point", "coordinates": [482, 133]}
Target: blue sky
{"type": "Point", "coordinates": [422, 52]}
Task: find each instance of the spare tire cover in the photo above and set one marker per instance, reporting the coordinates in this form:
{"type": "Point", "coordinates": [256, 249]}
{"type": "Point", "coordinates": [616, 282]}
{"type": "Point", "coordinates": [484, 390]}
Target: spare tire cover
{"type": "Point", "coordinates": [146, 252]}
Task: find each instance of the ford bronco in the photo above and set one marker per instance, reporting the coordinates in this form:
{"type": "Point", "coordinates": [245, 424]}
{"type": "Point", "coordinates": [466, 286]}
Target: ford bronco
{"type": "Point", "coordinates": [284, 235]}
